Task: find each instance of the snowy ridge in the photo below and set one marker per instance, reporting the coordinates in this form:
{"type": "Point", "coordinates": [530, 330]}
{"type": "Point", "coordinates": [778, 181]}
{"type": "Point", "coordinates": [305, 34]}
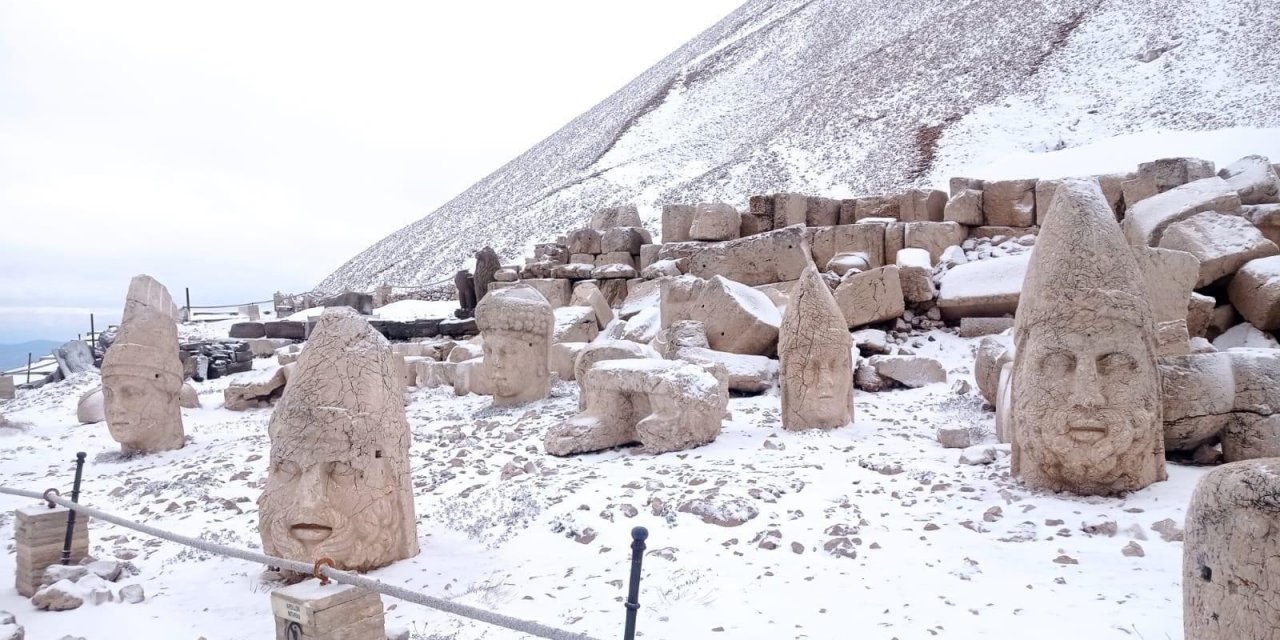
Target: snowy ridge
{"type": "Point", "coordinates": [836, 98]}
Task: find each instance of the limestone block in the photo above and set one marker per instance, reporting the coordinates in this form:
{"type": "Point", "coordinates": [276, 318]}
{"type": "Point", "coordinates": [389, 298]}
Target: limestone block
{"type": "Point", "coordinates": [572, 272]}
{"type": "Point", "coordinates": [332, 612]}
{"type": "Point", "coordinates": [1168, 173]}
{"type": "Point", "coordinates": [822, 212]}
{"type": "Point", "coordinates": [74, 357]}
{"type": "Point", "coordinates": [871, 296]}
{"type": "Point", "coordinates": [602, 350]}
{"type": "Point", "coordinates": [585, 241]}
{"type": "Point", "coordinates": [979, 327]}
{"type": "Point", "coordinates": [1222, 243]}
{"type": "Point", "coordinates": [894, 238]}
{"type": "Point", "coordinates": [1266, 217]}
{"type": "Point", "coordinates": [506, 275]}
{"type": "Point", "coordinates": [613, 272]}
{"type": "Point", "coordinates": [685, 333]}
{"type": "Point", "coordinates": [286, 329]}
{"type": "Point", "coordinates": [887, 206]}
{"type": "Point", "coordinates": [623, 216]}
{"type": "Point", "coordinates": [814, 350]}
{"type": "Point", "coordinates": [664, 405]}
{"type": "Point", "coordinates": [681, 250]}
{"type": "Point", "coordinates": [626, 240]}
{"type": "Point", "coordinates": [563, 359]}
{"type": "Point", "coordinates": [1004, 405]}
{"type": "Point", "coordinates": [1255, 292]}
{"type": "Point", "coordinates": [89, 409]}
{"type": "Point", "coordinates": [575, 324]}
{"type": "Point", "coordinates": [990, 357]}
{"type": "Point", "coordinates": [1146, 221]}
{"type": "Point", "coordinates": [753, 224]}
{"type": "Point", "coordinates": [747, 374]}
{"type": "Point", "coordinates": [661, 268]}
{"type": "Point", "coordinates": [643, 327]}
{"type": "Point", "coordinates": [843, 263]}
{"type": "Point", "coordinates": [555, 291]}
{"type": "Point", "coordinates": [1253, 180]}
{"type": "Point", "coordinates": [916, 275]}
{"type": "Point", "coordinates": [738, 319]}
{"type": "Point", "coordinates": [776, 256]}
{"type": "Point", "coordinates": [678, 296]}
{"type": "Point", "coordinates": [38, 535]}
{"type": "Point", "coordinates": [985, 288]}
{"type": "Point", "coordinates": [789, 209]}
{"type": "Point", "coordinates": [8, 390]}
{"type": "Point", "coordinates": [1009, 203]}
{"type": "Point", "coordinates": [1135, 190]}
{"type": "Point", "coordinates": [910, 371]}
{"type": "Point", "coordinates": [242, 396]}
{"type": "Point", "coordinates": [867, 239]}
{"type": "Point", "coordinates": [922, 205]}
{"type": "Point", "coordinates": [1112, 185]}
{"type": "Point", "coordinates": [1231, 554]}
{"type": "Point", "coordinates": [583, 258]}
{"type": "Point", "coordinates": [433, 374]}
{"type": "Point", "coordinates": [1170, 277]}
{"type": "Point", "coordinates": [956, 185]}
{"type": "Point", "coordinates": [1244, 336]}
{"type": "Point", "coordinates": [677, 221]}
{"type": "Point", "coordinates": [616, 257]}
{"type": "Point", "coordinates": [1000, 234]}
{"type": "Point", "coordinates": [1199, 311]}
{"type": "Point", "coordinates": [587, 294]}
{"type": "Point", "coordinates": [964, 208]}
{"type": "Point", "coordinates": [1198, 396]}
{"type": "Point", "coordinates": [648, 255]}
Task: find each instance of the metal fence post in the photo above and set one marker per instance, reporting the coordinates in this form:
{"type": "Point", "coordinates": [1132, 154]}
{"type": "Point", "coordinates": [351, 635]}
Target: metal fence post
{"type": "Point", "coordinates": [93, 334]}
{"type": "Point", "coordinates": [188, 318]}
{"type": "Point", "coordinates": [28, 367]}
{"type": "Point", "coordinates": [71, 514]}
{"type": "Point", "coordinates": [638, 536]}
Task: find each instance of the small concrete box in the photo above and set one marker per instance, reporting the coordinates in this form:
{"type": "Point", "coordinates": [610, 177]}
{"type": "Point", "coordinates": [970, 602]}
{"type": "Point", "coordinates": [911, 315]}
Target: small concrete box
{"type": "Point", "coordinates": [309, 611]}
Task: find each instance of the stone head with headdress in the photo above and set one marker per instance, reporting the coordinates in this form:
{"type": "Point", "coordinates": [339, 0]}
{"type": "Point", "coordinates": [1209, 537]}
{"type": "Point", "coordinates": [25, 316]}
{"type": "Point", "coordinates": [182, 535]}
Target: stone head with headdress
{"type": "Point", "coordinates": [1086, 390]}
{"type": "Point", "coordinates": [142, 374]}
{"type": "Point", "coordinates": [814, 349]}
{"type": "Point", "coordinates": [516, 324]}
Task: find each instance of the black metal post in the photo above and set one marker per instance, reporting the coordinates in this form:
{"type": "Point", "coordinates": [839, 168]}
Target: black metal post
{"type": "Point", "coordinates": [93, 335]}
{"type": "Point", "coordinates": [28, 367]}
{"type": "Point", "coordinates": [188, 318]}
{"type": "Point", "coordinates": [638, 536]}
{"type": "Point", "coordinates": [71, 515]}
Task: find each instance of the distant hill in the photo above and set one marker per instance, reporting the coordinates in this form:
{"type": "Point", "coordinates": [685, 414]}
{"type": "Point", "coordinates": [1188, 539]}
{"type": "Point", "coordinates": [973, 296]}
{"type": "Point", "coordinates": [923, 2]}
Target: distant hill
{"type": "Point", "coordinates": [842, 98]}
{"type": "Point", "coordinates": [15, 355]}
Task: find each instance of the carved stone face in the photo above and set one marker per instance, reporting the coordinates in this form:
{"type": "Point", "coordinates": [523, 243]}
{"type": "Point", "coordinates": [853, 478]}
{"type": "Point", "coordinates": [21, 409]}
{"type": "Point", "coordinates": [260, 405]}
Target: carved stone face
{"type": "Point", "coordinates": [326, 499]}
{"type": "Point", "coordinates": [141, 410]}
{"type": "Point", "coordinates": [1085, 405]}
{"type": "Point", "coordinates": [516, 366]}
{"type": "Point", "coordinates": [814, 348]}
{"type": "Point", "coordinates": [823, 389]}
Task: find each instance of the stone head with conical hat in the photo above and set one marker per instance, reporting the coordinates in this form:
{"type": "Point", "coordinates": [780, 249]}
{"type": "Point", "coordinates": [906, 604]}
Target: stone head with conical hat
{"type": "Point", "coordinates": [1086, 390]}
{"type": "Point", "coordinates": [338, 485]}
{"type": "Point", "coordinates": [141, 372]}
{"type": "Point", "coordinates": [517, 323]}
{"type": "Point", "coordinates": [814, 348]}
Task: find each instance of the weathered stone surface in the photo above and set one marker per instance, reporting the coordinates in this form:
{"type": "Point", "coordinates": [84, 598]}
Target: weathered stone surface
{"type": "Point", "coordinates": [602, 350]}
{"type": "Point", "coordinates": [909, 371]}
{"type": "Point", "coordinates": [1168, 173]}
{"type": "Point", "coordinates": [922, 205]}
{"type": "Point", "coordinates": [1253, 180]}
{"type": "Point", "coordinates": [1222, 243]}
{"type": "Point", "coordinates": [648, 255]}
{"type": "Point", "coordinates": [617, 258]}
{"type": "Point", "coordinates": [978, 327]}
{"type": "Point", "coordinates": [1001, 234]}
{"type": "Point", "coordinates": [286, 329]}
{"type": "Point", "coordinates": [517, 326]}
{"type": "Point", "coordinates": [584, 242]}
{"type": "Point", "coordinates": [266, 347]}
{"type": "Point", "coordinates": [245, 330]}
{"type": "Point", "coordinates": [964, 208]}
{"type": "Point", "coordinates": [984, 288]}
{"type": "Point", "coordinates": [789, 209]}
{"type": "Point", "coordinates": [626, 240]}
{"type": "Point", "coordinates": [677, 221]}
{"type": "Point", "coordinates": [1004, 405]}
{"type": "Point", "coordinates": [563, 358]}
{"type": "Point", "coordinates": [933, 237]}
{"type": "Point", "coordinates": [1198, 397]}
{"type": "Point", "coordinates": [871, 296]}
{"type": "Point", "coordinates": [1135, 190]}
{"type": "Point", "coordinates": [776, 256]}
{"type": "Point", "coordinates": [664, 405]}
{"type": "Point", "coordinates": [1231, 554]}
{"type": "Point", "coordinates": [1255, 292]}
{"type": "Point", "coordinates": [142, 374]}
{"type": "Point", "coordinates": [681, 334]}
{"type": "Point", "coordinates": [555, 291]}
{"type": "Point", "coordinates": [1009, 203]}
{"type": "Point", "coordinates": [821, 212]}
{"type": "Point", "coordinates": [623, 216]}
{"type": "Point", "coordinates": [8, 389]}
{"type": "Point", "coordinates": [242, 396]}
{"type": "Point", "coordinates": [1266, 217]}
{"type": "Point", "coordinates": [738, 319]}
{"type": "Point", "coordinates": [587, 294]}
{"type": "Point", "coordinates": [916, 275]}
{"type": "Point", "coordinates": [90, 408]}
{"type": "Point", "coordinates": [506, 275]}
{"type": "Point", "coordinates": [1169, 277]}
{"type": "Point", "coordinates": [746, 374]}
{"type": "Point", "coordinates": [575, 324]}
{"type": "Point", "coordinates": [574, 271]}
{"type": "Point", "coordinates": [1146, 221]}
{"type": "Point", "coordinates": [338, 485]}
{"type": "Point", "coordinates": [1085, 388]}
{"type": "Point", "coordinates": [954, 438]}
{"type": "Point", "coordinates": [465, 286]}
{"type": "Point", "coordinates": [958, 184]}
{"type": "Point", "coordinates": [814, 349]}
{"type": "Point", "coordinates": [990, 357]}
{"type": "Point", "coordinates": [74, 357]}
{"type": "Point", "coordinates": [60, 596]}
{"type": "Point", "coordinates": [487, 264]}
{"type": "Point", "coordinates": [826, 242]}
{"type": "Point", "coordinates": [1199, 310]}
{"type": "Point", "coordinates": [715, 221]}
{"type": "Point", "coordinates": [886, 206]}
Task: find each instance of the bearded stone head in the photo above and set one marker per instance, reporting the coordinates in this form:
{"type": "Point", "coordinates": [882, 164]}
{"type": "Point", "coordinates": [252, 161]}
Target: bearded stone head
{"type": "Point", "coordinates": [814, 348]}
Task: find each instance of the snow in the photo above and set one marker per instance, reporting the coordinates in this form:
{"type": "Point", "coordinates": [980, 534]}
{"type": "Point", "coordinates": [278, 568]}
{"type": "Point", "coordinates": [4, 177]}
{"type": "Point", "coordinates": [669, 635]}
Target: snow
{"type": "Point", "coordinates": [306, 314]}
{"type": "Point", "coordinates": [752, 301]}
{"type": "Point", "coordinates": [1244, 336]}
{"type": "Point", "coordinates": [408, 310]}
{"type": "Point", "coordinates": [911, 257]}
{"type": "Point", "coordinates": [926, 558]}
{"type": "Point", "coordinates": [1001, 276]}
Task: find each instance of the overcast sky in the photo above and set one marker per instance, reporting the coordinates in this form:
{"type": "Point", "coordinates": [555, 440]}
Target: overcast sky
{"type": "Point", "coordinates": [239, 148]}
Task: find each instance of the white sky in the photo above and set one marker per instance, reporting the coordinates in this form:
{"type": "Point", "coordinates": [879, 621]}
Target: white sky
{"type": "Point", "coordinates": [239, 148]}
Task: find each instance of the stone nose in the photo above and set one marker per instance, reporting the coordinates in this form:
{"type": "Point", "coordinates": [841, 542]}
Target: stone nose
{"type": "Point", "coordinates": [313, 491]}
{"type": "Point", "coordinates": [1085, 389]}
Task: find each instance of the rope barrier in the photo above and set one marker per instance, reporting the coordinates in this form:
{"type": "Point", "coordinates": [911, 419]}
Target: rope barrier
{"type": "Point", "coordinates": [344, 577]}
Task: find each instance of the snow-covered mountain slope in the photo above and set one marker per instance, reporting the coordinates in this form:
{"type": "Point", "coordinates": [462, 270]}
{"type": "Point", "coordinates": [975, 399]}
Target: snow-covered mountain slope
{"type": "Point", "coordinates": [844, 97]}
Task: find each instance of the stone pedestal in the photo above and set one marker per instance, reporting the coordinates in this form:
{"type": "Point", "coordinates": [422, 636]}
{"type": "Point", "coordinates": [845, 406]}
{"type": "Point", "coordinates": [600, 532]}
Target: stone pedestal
{"type": "Point", "coordinates": [309, 611]}
{"type": "Point", "coordinates": [8, 390]}
{"type": "Point", "coordinates": [39, 533]}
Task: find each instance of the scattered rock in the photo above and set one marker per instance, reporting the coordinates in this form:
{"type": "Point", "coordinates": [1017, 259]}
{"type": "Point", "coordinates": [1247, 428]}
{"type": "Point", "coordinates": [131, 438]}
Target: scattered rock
{"type": "Point", "coordinates": [954, 438]}
{"type": "Point", "coordinates": [1133, 550]}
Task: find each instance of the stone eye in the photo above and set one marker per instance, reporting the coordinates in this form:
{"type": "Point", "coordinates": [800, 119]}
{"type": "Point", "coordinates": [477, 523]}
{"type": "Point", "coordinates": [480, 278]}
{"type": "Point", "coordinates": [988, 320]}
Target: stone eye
{"type": "Point", "coordinates": [287, 467]}
{"type": "Point", "coordinates": [1116, 362]}
{"type": "Point", "coordinates": [1059, 362]}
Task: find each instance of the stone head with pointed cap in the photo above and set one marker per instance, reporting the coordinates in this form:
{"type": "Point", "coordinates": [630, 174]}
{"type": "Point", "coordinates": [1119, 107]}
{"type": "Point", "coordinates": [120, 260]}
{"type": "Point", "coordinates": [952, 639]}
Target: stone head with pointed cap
{"type": "Point", "coordinates": [517, 323]}
{"type": "Point", "coordinates": [1086, 390]}
{"type": "Point", "coordinates": [142, 374]}
{"type": "Point", "coordinates": [814, 348]}
{"type": "Point", "coordinates": [338, 484]}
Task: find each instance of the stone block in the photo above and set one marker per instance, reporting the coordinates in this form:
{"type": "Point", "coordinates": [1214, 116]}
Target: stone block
{"type": "Point", "coordinates": [1135, 190]}
{"type": "Point", "coordinates": [1255, 292]}
{"type": "Point", "coordinates": [871, 296]}
{"type": "Point", "coordinates": [556, 291]}
{"type": "Point", "coordinates": [616, 257]}
{"type": "Point", "coordinates": [1169, 173]}
{"type": "Point", "coordinates": [964, 208]}
{"type": "Point", "coordinates": [648, 255]}
{"type": "Point", "coordinates": [677, 220]}
{"type": "Point", "coordinates": [933, 237]}
{"type": "Point", "coordinates": [623, 240]}
{"type": "Point", "coordinates": [715, 222]}
{"type": "Point", "coordinates": [1146, 221]}
{"type": "Point", "coordinates": [867, 239]}
{"type": "Point", "coordinates": [1009, 203]}
{"type": "Point", "coordinates": [822, 212]}
{"type": "Point", "coordinates": [979, 327]}
{"type": "Point", "coordinates": [331, 612]}
{"type": "Point", "coordinates": [247, 330]}
{"type": "Point", "coordinates": [985, 288]}
{"type": "Point", "coordinates": [956, 185]}
{"type": "Point", "coordinates": [623, 216]}
{"type": "Point", "coordinates": [789, 209]}
{"type": "Point", "coordinates": [1222, 243]}
{"type": "Point", "coordinates": [286, 329]}
{"type": "Point", "coordinates": [886, 206]}
{"type": "Point", "coordinates": [915, 272]}
{"type": "Point", "coordinates": [1007, 233]}
{"type": "Point", "coordinates": [922, 205]}
{"type": "Point", "coordinates": [8, 390]}
{"type": "Point", "coordinates": [776, 256]}
{"type": "Point", "coordinates": [583, 241]}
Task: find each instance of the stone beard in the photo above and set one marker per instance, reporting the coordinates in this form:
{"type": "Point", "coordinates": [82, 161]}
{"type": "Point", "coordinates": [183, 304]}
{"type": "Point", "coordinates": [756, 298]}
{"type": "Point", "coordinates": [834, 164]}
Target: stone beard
{"type": "Point", "coordinates": [338, 496]}
{"type": "Point", "coordinates": [815, 351]}
{"type": "Point", "coordinates": [1086, 409]}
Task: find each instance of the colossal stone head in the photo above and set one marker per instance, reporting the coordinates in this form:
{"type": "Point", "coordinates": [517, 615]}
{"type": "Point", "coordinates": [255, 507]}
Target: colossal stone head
{"type": "Point", "coordinates": [814, 348]}
{"type": "Point", "coordinates": [338, 485]}
{"type": "Point", "coordinates": [141, 372]}
{"type": "Point", "coordinates": [1086, 392]}
{"type": "Point", "coordinates": [517, 324]}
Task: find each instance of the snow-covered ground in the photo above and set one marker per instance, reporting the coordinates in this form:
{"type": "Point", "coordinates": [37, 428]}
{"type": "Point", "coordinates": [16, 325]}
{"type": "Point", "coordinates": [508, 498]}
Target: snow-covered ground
{"type": "Point", "coordinates": [934, 547]}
